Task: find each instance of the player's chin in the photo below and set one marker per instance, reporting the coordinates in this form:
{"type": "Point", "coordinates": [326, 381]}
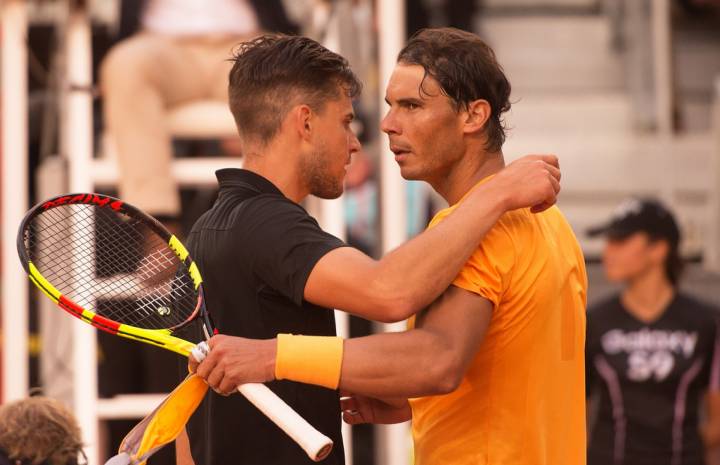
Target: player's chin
{"type": "Point", "coordinates": [330, 192]}
{"type": "Point", "coordinates": [409, 173]}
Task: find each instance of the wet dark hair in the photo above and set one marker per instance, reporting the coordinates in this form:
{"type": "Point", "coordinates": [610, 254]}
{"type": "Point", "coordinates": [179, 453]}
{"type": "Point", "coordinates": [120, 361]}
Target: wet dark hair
{"type": "Point", "coordinates": [466, 69]}
{"type": "Point", "coordinates": [674, 267]}
{"type": "Point", "coordinates": [274, 72]}
{"type": "Point", "coordinates": [674, 263]}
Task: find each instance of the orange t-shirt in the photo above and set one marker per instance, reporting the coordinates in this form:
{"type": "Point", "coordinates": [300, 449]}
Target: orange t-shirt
{"type": "Point", "coordinates": [522, 400]}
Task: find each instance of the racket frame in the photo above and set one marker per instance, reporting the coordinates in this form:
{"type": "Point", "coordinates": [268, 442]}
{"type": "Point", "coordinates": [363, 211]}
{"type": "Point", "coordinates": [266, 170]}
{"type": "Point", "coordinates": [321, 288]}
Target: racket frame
{"type": "Point", "coordinates": [158, 337]}
{"type": "Point", "coordinates": [314, 443]}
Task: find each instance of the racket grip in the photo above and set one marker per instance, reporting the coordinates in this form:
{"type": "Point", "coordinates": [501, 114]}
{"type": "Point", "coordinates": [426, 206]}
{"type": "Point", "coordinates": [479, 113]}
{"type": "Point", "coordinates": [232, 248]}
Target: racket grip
{"type": "Point", "coordinates": [314, 443]}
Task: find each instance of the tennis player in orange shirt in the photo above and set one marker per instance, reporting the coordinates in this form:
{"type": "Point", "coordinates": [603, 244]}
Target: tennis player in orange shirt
{"type": "Point", "coordinates": [494, 368]}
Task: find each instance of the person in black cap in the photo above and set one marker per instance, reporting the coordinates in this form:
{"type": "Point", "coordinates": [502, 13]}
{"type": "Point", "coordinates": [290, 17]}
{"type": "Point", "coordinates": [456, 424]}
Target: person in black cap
{"type": "Point", "coordinates": [652, 352]}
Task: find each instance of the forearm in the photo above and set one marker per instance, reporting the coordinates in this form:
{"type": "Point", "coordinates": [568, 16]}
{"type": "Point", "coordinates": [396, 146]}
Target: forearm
{"type": "Point", "coordinates": [421, 269]}
{"type": "Point", "coordinates": [398, 365]}
{"type": "Point", "coordinates": [711, 428]}
{"type": "Point", "coordinates": [182, 449]}
{"type": "Point", "coordinates": [428, 360]}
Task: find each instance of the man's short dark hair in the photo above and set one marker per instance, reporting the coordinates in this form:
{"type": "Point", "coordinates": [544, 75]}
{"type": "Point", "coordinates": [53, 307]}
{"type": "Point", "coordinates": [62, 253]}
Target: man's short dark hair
{"type": "Point", "coordinates": [466, 69]}
{"type": "Point", "coordinates": [274, 72]}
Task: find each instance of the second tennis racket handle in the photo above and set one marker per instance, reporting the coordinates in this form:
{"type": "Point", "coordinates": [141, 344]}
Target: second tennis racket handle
{"type": "Point", "coordinates": [316, 445]}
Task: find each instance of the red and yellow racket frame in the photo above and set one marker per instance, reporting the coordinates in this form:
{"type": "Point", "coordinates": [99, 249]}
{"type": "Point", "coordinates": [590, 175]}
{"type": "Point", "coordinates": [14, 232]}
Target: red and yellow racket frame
{"type": "Point", "coordinates": [158, 337]}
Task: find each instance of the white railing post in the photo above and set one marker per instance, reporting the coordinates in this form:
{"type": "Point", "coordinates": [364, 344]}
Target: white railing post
{"type": "Point", "coordinates": [14, 155]}
{"type": "Point", "coordinates": [78, 148]}
{"type": "Point", "coordinates": [331, 214]}
{"type": "Point", "coordinates": [712, 261]}
{"type": "Point", "coordinates": [662, 65]}
{"type": "Point", "coordinates": [332, 220]}
{"type": "Point", "coordinates": [391, 440]}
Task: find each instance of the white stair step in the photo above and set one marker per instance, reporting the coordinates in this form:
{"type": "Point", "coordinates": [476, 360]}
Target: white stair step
{"type": "Point", "coordinates": [489, 4]}
{"type": "Point", "coordinates": [599, 171]}
{"type": "Point", "coordinates": [128, 406]}
{"type": "Point", "coordinates": [630, 163]}
{"type": "Point", "coordinates": [198, 172]}
{"type": "Point", "coordinates": [570, 113]}
{"type": "Point", "coordinates": [569, 53]}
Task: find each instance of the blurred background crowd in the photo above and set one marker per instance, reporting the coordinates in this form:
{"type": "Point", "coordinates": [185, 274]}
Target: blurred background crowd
{"type": "Point", "coordinates": [626, 93]}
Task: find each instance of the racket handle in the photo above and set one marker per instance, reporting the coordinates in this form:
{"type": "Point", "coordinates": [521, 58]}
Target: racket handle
{"type": "Point", "coordinates": [314, 443]}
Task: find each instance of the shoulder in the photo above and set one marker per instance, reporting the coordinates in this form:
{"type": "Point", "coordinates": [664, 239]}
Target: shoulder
{"type": "Point", "coordinates": [245, 215]}
{"type": "Point", "coordinates": [551, 223]}
{"type": "Point", "coordinates": [604, 308]}
{"type": "Point", "coordinates": [521, 222]}
{"type": "Point", "coordinates": [268, 211]}
{"type": "Point", "coordinates": [497, 237]}
{"type": "Point", "coordinates": [272, 204]}
{"type": "Point", "coordinates": [602, 316]}
{"type": "Point", "coordinates": [607, 303]}
{"type": "Point", "coordinates": [697, 308]}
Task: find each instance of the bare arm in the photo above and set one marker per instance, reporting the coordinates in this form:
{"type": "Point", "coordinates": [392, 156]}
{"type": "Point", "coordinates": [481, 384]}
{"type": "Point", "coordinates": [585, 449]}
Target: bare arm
{"type": "Point", "coordinates": [428, 360]}
{"type": "Point", "coordinates": [413, 275]}
{"type": "Point", "coordinates": [182, 449]}
{"type": "Point", "coordinates": [711, 428]}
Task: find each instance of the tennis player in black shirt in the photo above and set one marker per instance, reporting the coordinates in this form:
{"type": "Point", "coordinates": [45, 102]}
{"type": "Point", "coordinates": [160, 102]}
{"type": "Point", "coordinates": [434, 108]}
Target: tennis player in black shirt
{"type": "Point", "coordinates": [267, 266]}
{"type": "Point", "coordinates": [652, 352]}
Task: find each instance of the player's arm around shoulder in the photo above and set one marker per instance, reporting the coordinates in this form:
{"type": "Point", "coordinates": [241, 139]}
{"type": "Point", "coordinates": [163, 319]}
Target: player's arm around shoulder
{"type": "Point", "coordinates": [410, 277]}
{"type": "Point", "coordinates": [349, 280]}
{"type": "Point", "coordinates": [439, 352]}
{"type": "Point", "coordinates": [430, 359]}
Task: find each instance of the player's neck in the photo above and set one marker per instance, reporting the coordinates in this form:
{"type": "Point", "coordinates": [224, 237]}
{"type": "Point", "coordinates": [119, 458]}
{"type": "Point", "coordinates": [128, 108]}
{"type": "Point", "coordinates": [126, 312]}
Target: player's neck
{"type": "Point", "coordinates": [463, 175]}
{"type": "Point", "coordinates": [648, 296]}
{"type": "Point", "coordinates": [273, 163]}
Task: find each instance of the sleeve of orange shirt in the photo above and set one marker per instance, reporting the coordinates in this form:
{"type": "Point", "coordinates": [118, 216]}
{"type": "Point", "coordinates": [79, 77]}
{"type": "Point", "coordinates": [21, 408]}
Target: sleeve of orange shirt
{"type": "Point", "coordinates": [488, 271]}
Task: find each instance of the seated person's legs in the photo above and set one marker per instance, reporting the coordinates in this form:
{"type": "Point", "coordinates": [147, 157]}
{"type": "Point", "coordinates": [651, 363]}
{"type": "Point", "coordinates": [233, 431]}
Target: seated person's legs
{"type": "Point", "coordinates": [141, 77]}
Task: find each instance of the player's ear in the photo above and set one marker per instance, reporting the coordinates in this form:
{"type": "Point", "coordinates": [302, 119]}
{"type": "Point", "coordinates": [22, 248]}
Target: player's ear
{"type": "Point", "coordinates": [477, 114]}
{"type": "Point", "coordinates": [302, 121]}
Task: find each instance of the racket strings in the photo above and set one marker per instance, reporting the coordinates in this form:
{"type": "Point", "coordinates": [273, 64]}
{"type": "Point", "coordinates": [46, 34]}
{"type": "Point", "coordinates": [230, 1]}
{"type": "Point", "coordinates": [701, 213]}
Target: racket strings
{"type": "Point", "coordinates": [111, 264]}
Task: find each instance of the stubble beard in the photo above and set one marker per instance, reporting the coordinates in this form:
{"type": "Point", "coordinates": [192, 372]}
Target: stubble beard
{"type": "Point", "coordinates": [315, 171]}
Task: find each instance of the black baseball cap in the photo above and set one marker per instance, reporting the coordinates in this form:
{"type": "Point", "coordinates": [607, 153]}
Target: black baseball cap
{"type": "Point", "coordinates": [640, 215]}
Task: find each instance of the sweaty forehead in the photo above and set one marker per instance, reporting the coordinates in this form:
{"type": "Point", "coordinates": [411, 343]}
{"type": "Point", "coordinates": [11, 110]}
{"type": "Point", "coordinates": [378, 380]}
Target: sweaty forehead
{"type": "Point", "coordinates": [406, 81]}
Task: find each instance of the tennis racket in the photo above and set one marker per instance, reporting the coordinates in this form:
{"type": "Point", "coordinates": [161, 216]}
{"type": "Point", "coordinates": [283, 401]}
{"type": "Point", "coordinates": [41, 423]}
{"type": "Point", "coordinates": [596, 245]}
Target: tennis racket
{"type": "Point", "coordinates": [113, 266]}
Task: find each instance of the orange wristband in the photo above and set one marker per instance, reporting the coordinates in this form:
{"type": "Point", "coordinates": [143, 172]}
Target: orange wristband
{"type": "Point", "coordinates": [309, 359]}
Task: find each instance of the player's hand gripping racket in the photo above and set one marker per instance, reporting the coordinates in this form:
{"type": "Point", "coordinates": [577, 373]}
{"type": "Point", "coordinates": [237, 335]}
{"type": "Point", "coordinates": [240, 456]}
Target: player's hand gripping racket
{"type": "Point", "coordinates": [118, 269]}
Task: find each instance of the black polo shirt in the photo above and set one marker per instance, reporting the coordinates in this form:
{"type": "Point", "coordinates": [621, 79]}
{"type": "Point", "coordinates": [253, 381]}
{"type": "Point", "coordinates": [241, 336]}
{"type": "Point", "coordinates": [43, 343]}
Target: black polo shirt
{"type": "Point", "coordinates": [255, 249]}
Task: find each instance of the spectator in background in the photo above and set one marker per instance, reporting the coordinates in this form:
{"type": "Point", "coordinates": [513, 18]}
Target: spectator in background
{"type": "Point", "coordinates": [38, 430]}
{"type": "Point", "coordinates": [652, 351]}
{"type": "Point", "coordinates": [172, 52]}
